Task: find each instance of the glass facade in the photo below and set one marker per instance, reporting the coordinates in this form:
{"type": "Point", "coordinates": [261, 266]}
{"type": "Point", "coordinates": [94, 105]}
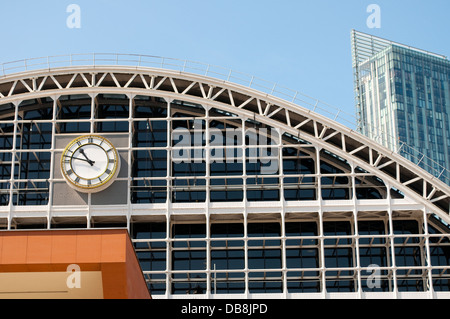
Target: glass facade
{"type": "Point", "coordinates": [295, 256]}
{"type": "Point", "coordinates": [403, 102]}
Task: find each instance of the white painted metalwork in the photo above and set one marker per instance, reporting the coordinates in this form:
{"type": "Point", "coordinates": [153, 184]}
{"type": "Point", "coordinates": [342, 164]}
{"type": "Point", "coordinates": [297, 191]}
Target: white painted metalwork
{"type": "Point", "coordinates": [408, 193]}
{"type": "Point", "coordinates": [97, 60]}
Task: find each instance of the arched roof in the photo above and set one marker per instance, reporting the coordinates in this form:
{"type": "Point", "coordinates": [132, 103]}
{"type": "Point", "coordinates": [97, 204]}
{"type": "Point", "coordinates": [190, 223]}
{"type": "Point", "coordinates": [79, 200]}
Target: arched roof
{"type": "Point", "coordinates": [289, 118]}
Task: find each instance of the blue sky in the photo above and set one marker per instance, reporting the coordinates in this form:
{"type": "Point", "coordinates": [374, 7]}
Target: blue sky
{"type": "Point", "coordinates": [303, 45]}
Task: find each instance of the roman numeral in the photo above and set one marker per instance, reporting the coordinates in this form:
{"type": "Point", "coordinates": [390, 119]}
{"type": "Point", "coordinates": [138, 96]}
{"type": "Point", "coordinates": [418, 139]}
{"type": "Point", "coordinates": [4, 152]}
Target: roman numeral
{"type": "Point", "coordinates": [69, 172]}
{"type": "Point", "coordinates": [108, 171]}
{"type": "Point", "coordinates": [77, 180]}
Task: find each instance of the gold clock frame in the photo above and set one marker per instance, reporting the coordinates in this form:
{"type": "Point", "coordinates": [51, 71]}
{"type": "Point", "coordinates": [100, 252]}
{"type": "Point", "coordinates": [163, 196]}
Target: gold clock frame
{"type": "Point", "coordinates": [95, 187]}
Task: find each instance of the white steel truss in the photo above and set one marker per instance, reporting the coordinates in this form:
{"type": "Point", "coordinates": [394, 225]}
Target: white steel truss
{"type": "Point", "coordinates": [321, 139]}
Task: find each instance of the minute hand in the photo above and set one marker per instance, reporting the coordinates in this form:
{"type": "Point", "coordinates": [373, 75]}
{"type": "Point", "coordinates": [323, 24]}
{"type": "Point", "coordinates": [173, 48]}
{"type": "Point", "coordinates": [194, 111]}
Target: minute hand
{"type": "Point", "coordinates": [81, 159]}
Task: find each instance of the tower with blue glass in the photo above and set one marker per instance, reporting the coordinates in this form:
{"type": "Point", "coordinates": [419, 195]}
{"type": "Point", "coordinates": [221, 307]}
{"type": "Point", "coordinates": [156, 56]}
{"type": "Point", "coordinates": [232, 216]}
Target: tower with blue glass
{"type": "Point", "coordinates": [403, 100]}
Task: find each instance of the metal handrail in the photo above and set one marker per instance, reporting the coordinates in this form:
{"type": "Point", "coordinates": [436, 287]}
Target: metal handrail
{"type": "Point", "coordinates": [228, 75]}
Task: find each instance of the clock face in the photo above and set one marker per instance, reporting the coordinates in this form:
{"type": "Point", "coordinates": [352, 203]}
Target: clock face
{"type": "Point", "coordinates": [90, 163]}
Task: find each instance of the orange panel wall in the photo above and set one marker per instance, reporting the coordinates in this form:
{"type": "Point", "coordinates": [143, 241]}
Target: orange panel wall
{"type": "Point", "coordinates": [108, 251]}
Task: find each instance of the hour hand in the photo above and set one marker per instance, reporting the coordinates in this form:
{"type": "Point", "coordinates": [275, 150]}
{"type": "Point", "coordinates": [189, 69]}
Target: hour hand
{"type": "Point", "coordinates": [87, 159]}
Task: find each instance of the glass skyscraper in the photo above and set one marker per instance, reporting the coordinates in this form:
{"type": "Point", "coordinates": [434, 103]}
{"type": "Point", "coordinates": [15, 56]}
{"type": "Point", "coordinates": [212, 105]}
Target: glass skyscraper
{"type": "Point", "coordinates": [403, 100]}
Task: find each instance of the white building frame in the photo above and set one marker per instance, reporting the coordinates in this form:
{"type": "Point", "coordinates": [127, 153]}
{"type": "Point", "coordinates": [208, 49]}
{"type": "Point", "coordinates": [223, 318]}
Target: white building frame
{"type": "Point", "coordinates": [423, 192]}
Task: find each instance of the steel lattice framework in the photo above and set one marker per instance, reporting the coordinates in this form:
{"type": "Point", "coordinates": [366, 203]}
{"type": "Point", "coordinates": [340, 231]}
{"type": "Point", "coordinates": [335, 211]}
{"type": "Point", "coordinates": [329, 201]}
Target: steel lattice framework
{"type": "Point", "coordinates": [421, 196]}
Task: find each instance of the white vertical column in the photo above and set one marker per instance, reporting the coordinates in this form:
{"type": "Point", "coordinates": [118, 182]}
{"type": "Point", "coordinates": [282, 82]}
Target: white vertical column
{"type": "Point", "coordinates": [391, 241]}
{"type": "Point", "coordinates": [168, 200]}
{"type": "Point", "coordinates": [53, 164]}
{"type": "Point", "coordinates": [208, 255]}
{"type": "Point", "coordinates": [129, 152]}
{"type": "Point", "coordinates": [322, 255]}
{"type": "Point", "coordinates": [357, 263]}
{"type": "Point", "coordinates": [429, 268]}
{"type": "Point", "coordinates": [207, 158]}
{"type": "Point", "coordinates": [245, 201]}
{"type": "Point", "coordinates": [246, 253]}
{"type": "Point", "coordinates": [321, 232]}
{"type": "Point", "coordinates": [283, 215]}
{"type": "Point", "coordinates": [92, 122]}
{"type": "Point", "coordinates": [13, 160]}
{"type": "Point", "coordinates": [168, 255]}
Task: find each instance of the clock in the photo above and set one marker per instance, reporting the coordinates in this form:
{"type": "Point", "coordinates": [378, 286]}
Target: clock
{"type": "Point", "coordinates": [90, 163]}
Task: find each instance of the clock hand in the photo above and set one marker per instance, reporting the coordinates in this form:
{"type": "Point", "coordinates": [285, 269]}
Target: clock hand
{"type": "Point", "coordinates": [88, 160]}
{"type": "Point", "coordinates": [81, 159]}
